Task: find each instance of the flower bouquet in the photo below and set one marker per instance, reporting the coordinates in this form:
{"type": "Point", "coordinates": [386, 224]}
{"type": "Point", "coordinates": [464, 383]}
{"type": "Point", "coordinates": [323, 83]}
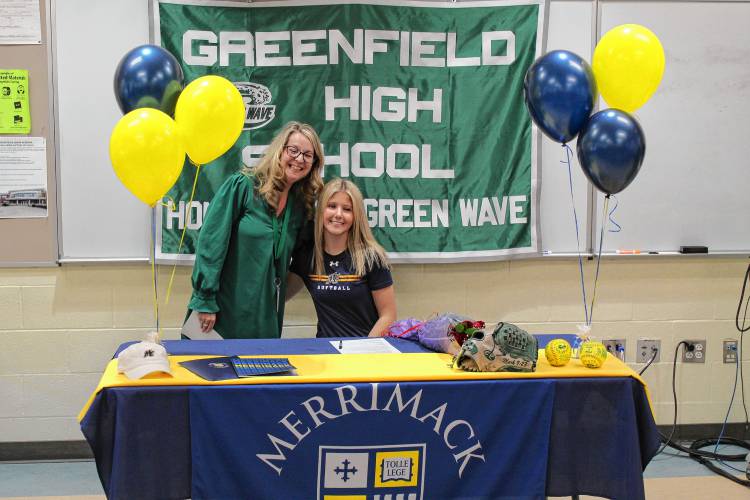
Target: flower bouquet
{"type": "Point", "coordinates": [464, 330]}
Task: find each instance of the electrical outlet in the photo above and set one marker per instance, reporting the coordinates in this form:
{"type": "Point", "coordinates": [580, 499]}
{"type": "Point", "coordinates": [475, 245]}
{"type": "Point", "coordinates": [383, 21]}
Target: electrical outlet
{"type": "Point", "coordinates": [616, 347]}
{"type": "Point", "coordinates": [645, 350]}
{"type": "Point", "coordinates": [730, 351]}
{"type": "Point", "coordinates": [694, 352]}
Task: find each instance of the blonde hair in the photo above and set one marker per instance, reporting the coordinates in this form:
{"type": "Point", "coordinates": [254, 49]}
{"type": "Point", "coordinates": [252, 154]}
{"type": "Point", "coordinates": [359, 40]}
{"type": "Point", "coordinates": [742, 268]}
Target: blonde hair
{"type": "Point", "coordinates": [364, 249]}
{"type": "Point", "coordinates": [270, 178]}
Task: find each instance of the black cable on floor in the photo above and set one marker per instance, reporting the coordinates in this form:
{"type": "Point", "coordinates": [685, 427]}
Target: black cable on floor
{"type": "Point", "coordinates": [705, 457]}
{"type": "Point", "coordinates": [694, 451]}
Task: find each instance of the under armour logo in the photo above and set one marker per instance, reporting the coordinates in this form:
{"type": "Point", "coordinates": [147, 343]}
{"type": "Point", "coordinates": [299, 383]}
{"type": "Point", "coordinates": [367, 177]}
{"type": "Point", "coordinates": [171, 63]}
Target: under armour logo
{"type": "Point", "coordinates": [149, 353]}
{"type": "Point", "coordinates": [334, 263]}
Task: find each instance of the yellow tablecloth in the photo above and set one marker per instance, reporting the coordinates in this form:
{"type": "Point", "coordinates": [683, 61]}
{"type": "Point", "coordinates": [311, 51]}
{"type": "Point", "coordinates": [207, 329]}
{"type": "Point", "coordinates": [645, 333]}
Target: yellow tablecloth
{"type": "Point", "coordinates": [352, 368]}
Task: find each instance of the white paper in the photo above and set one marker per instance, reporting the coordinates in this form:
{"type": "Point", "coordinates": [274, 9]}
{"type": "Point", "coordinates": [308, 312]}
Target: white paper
{"type": "Point", "coordinates": [23, 177]}
{"type": "Point", "coordinates": [192, 329]}
{"type": "Point", "coordinates": [20, 22]}
{"type": "Point", "coordinates": [364, 346]}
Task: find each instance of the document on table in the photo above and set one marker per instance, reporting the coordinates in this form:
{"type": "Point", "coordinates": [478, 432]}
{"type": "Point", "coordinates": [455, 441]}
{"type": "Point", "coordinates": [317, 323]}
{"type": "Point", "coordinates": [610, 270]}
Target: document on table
{"type": "Point", "coordinates": [192, 329]}
{"type": "Point", "coordinates": [364, 346]}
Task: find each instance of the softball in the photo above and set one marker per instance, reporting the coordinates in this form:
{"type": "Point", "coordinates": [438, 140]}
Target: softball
{"type": "Point", "coordinates": [593, 354]}
{"type": "Point", "coordinates": [557, 352]}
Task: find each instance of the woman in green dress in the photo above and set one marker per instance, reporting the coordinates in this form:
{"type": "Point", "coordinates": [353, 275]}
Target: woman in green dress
{"type": "Point", "coordinates": [249, 233]}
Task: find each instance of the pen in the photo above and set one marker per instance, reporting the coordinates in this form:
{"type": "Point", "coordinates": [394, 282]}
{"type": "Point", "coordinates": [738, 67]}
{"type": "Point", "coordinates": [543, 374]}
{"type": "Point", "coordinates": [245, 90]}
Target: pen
{"type": "Point", "coordinates": [628, 252]}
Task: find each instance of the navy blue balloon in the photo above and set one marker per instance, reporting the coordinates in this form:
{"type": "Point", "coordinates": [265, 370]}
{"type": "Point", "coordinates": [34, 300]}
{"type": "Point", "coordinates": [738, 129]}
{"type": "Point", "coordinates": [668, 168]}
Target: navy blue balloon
{"type": "Point", "coordinates": [148, 77]}
{"type": "Point", "coordinates": [559, 89]}
{"type": "Point", "coordinates": [611, 148]}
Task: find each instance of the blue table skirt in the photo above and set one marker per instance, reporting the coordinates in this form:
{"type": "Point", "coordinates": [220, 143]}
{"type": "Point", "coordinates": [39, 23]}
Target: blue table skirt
{"type": "Point", "coordinates": [599, 432]}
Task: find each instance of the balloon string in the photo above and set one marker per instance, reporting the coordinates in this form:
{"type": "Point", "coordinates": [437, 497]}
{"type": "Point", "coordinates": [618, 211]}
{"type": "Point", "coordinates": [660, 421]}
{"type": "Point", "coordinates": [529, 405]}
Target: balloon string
{"type": "Point", "coordinates": [153, 269]}
{"type": "Point", "coordinates": [167, 205]}
{"type": "Point", "coordinates": [599, 256]}
{"type": "Point", "coordinates": [611, 220]}
{"type": "Point", "coordinates": [184, 228]}
{"type": "Point", "coordinates": [568, 151]}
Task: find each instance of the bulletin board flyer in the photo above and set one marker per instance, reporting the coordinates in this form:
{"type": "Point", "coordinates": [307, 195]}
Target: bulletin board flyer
{"type": "Point", "coordinates": [14, 102]}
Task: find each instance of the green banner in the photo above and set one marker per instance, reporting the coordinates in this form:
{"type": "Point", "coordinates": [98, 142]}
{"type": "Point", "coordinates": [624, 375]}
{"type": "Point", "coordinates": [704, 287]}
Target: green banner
{"type": "Point", "coordinates": [419, 103]}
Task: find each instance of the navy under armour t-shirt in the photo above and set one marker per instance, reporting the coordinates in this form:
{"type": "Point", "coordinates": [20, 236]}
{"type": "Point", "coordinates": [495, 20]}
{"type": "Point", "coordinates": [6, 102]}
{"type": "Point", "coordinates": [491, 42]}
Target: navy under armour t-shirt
{"type": "Point", "coordinates": [343, 299]}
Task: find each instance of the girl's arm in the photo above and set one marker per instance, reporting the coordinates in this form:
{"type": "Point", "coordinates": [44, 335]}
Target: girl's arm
{"type": "Point", "coordinates": [293, 285]}
{"type": "Point", "coordinates": [385, 303]}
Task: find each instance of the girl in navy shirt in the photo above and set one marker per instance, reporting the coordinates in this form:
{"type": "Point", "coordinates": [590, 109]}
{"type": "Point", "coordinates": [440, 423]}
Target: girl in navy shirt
{"type": "Point", "coordinates": [346, 271]}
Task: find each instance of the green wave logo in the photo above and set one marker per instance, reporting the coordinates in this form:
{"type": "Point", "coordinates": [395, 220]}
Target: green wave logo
{"type": "Point", "coordinates": [259, 111]}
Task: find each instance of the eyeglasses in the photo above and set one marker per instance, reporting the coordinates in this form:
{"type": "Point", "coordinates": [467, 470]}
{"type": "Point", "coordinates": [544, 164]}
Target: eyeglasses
{"type": "Point", "coordinates": [294, 152]}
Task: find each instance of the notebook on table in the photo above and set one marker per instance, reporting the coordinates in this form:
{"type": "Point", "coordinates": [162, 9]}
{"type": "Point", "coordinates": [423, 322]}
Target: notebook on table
{"type": "Point", "coordinates": [252, 367]}
{"type": "Point", "coordinates": [230, 367]}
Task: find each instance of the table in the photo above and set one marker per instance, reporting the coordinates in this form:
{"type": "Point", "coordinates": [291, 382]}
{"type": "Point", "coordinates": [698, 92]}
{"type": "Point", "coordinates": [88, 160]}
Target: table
{"type": "Point", "coordinates": [410, 439]}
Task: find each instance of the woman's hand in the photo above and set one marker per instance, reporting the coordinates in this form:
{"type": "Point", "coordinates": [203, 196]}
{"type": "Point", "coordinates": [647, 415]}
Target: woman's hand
{"type": "Point", "coordinates": [207, 321]}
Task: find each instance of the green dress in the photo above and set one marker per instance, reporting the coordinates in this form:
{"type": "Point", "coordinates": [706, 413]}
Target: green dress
{"type": "Point", "coordinates": [235, 273]}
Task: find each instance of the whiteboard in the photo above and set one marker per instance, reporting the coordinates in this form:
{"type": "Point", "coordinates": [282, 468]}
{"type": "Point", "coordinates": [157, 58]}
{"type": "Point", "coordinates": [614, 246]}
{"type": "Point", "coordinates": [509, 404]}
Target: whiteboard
{"type": "Point", "coordinates": [570, 28]}
{"type": "Point", "coordinates": [694, 185]}
{"type": "Point", "coordinates": [99, 218]}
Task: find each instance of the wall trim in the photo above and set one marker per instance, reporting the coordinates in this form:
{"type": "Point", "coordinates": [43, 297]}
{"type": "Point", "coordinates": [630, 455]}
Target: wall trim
{"type": "Point", "coordinates": [44, 450]}
{"type": "Point", "coordinates": [692, 432]}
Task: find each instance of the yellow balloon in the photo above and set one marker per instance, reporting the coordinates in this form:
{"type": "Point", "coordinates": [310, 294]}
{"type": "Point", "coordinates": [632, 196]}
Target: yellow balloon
{"type": "Point", "coordinates": [210, 114]}
{"type": "Point", "coordinates": [147, 153]}
{"type": "Point", "coordinates": [628, 66]}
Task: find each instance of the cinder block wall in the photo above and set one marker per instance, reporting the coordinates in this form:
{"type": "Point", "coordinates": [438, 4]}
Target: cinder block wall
{"type": "Point", "coordinates": [60, 326]}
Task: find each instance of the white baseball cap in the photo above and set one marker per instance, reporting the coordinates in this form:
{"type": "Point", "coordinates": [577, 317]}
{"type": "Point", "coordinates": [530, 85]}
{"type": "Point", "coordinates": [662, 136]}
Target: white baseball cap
{"type": "Point", "coordinates": [138, 360]}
